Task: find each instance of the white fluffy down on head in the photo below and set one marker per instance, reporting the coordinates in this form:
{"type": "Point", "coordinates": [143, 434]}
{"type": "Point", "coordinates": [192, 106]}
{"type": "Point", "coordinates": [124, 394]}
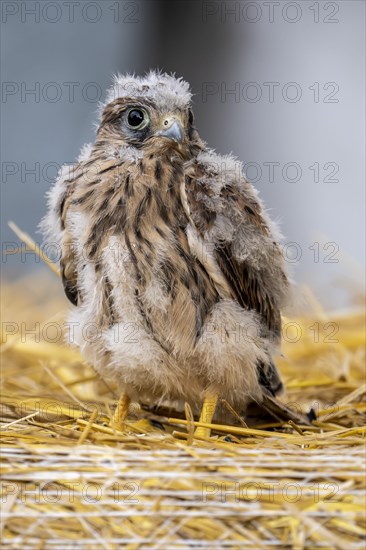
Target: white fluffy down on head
{"type": "Point", "coordinates": [163, 89]}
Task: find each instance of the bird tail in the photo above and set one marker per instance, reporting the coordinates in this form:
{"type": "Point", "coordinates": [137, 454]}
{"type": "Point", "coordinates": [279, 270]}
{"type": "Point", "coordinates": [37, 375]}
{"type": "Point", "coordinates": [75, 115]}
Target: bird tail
{"type": "Point", "coordinates": [281, 412]}
{"type": "Point", "coordinates": [269, 378]}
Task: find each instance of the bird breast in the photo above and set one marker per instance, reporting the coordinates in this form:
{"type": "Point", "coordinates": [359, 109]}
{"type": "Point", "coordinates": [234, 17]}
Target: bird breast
{"type": "Point", "coordinates": [172, 289]}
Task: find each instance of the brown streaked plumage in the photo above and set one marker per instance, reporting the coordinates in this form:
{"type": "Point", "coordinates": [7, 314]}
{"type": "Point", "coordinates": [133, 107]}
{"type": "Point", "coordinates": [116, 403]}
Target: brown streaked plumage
{"type": "Point", "coordinates": [166, 248]}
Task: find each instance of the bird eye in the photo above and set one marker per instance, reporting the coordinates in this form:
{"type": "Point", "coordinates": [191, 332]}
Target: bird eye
{"type": "Point", "coordinates": [137, 118]}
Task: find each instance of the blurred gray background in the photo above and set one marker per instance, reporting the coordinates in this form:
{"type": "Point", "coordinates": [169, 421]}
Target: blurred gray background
{"type": "Point", "coordinates": [279, 84]}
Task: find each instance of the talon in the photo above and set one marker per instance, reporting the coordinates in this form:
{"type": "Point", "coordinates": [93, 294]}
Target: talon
{"type": "Point", "coordinates": [120, 423]}
{"type": "Point", "coordinates": [157, 424]}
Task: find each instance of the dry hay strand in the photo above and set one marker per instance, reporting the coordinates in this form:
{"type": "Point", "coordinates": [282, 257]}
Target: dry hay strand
{"type": "Point", "coordinates": [69, 481]}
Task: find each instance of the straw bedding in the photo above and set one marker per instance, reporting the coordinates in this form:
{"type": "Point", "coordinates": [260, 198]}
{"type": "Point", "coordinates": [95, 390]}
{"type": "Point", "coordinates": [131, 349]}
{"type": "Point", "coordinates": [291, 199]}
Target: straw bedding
{"type": "Point", "coordinates": [71, 482]}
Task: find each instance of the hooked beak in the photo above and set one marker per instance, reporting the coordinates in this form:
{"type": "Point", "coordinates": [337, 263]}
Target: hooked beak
{"type": "Point", "coordinates": [174, 132]}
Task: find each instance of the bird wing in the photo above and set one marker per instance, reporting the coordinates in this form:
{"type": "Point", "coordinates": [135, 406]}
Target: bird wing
{"type": "Point", "coordinates": [68, 263]}
{"type": "Point", "coordinates": [232, 224]}
{"type": "Point", "coordinates": [69, 273]}
{"type": "Point", "coordinates": [57, 232]}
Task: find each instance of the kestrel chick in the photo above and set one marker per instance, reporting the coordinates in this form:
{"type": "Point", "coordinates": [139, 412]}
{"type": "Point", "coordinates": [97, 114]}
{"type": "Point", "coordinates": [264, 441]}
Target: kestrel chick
{"type": "Point", "coordinates": [172, 265]}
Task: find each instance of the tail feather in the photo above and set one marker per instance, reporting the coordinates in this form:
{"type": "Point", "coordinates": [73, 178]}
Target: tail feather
{"type": "Point", "coordinates": [282, 413]}
{"type": "Point", "coordinates": [269, 379]}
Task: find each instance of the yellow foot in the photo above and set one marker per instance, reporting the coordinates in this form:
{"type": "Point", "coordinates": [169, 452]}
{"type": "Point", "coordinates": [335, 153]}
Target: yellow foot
{"type": "Point", "coordinates": [120, 423]}
{"type": "Point", "coordinates": [121, 412]}
{"type": "Point", "coordinates": [207, 413]}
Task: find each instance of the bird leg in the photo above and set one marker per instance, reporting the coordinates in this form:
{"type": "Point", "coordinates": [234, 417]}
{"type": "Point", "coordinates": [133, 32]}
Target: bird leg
{"type": "Point", "coordinates": [207, 413]}
{"type": "Point", "coordinates": [120, 414]}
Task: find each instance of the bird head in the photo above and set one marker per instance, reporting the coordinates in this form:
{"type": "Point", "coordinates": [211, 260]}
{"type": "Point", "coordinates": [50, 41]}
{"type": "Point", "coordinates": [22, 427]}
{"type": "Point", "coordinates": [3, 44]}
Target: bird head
{"type": "Point", "coordinates": [151, 114]}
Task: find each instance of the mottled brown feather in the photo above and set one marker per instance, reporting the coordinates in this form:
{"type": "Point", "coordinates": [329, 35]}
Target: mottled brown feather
{"type": "Point", "coordinates": [249, 287]}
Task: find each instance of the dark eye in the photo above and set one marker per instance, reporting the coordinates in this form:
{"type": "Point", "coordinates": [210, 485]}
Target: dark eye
{"type": "Point", "coordinates": [137, 118]}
